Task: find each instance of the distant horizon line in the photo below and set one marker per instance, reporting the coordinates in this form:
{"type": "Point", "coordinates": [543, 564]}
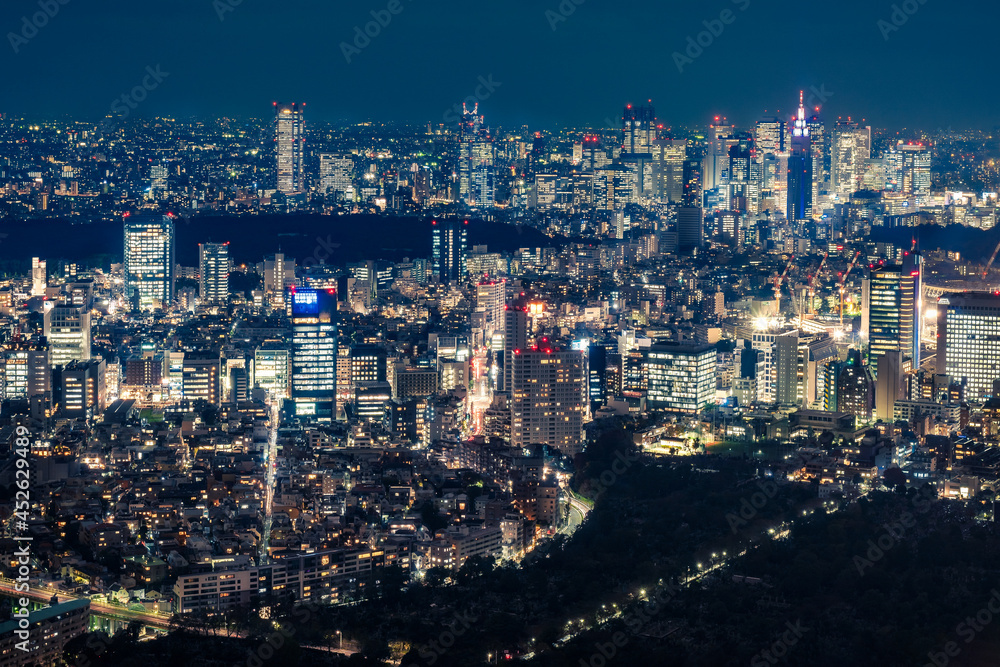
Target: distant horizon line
{"type": "Point", "coordinates": [344, 123]}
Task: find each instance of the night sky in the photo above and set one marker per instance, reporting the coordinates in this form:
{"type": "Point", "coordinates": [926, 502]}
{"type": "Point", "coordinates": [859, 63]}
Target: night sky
{"type": "Point", "coordinates": [935, 71]}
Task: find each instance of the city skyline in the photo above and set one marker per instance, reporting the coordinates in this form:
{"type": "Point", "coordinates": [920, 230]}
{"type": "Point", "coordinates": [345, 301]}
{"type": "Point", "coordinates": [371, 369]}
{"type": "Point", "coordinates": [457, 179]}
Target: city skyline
{"type": "Point", "coordinates": [560, 334]}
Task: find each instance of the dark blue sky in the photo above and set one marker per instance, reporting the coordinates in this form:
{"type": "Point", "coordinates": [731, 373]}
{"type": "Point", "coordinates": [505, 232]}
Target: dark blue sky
{"type": "Point", "coordinates": [934, 71]}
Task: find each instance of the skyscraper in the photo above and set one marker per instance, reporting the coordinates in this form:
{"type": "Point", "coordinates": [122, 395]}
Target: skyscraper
{"type": "Point", "coordinates": [476, 173]}
{"type": "Point", "coordinates": [279, 273]}
{"type": "Point", "coordinates": [787, 385]}
{"type": "Point", "coordinates": [908, 169]}
{"type": "Point", "coordinates": [336, 176]}
{"type": "Point", "coordinates": [149, 261]}
{"type": "Point", "coordinates": [314, 353]}
{"type": "Point", "coordinates": [272, 368]}
{"type": "Point", "coordinates": [491, 297]}
{"type": "Point", "coordinates": [891, 307]}
{"type": "Point", "coordinates": [638, 129]}
{"type": "Point", "coordinates": [770, 135]}
{"type": "Point", "coordinates": [911, 286]}
{"type": "Point", "coordinates": [968, 345]}
{"type": "Point", "coordinates": [449, 248]}
{"type": "Point", "coordinates": [213, 272]}
{"type": "Point", "coordinates": [852, 148]}
{"type": "Point", "coordinates": [515, 338]}
{"type": "Point", "coordinates": [740, 188]}
{"type": "Point", "coordinates": [39, 278]}
{"type": "Point", "coordinates": [668, 174]}
{"type": "Point", "coordinates": [856, 388]}
{"type": "Point", "coordinates": [158, 181]}
{"type": "Point", "coordinates": [800, 169]}
{"type": "Point", "coordinates": [290, 145]}
{"type": "Point", "coordinates": [691, 176]}
{"type": "Point", "coordinates": [720, 138]}
{"type": "Point", "coordinates": [549, 398]}
{"type": "Point", "coordinates": [888, 385]}
{"type": "Point", "coordinates": [819, 150]}
{"type": "Point", "coordinates": [690, 228]}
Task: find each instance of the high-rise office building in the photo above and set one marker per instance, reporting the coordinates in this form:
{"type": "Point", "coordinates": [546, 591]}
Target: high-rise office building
{"type": "Point", "coordinates": [83, 389]}
{"type": "Point", "coordinates": [594, 153]}
{"type": "Point", "coordinates": [201, 377]}
{"type": "Point", "coordinates": [911, 285]}
{"type": "Point", "coordinates": [788, 385]}
{"type": "Point", "coordinates": [149, 261]}
{"type": "Point", "coordinates": [421, 184]}
{"type": "Point", "coordinates": [549, 398]}
{"type": "Point", "coordinates": [668, 172]}
{"type": "Point", "coordinates": [213, 274]}
{"type": "Point", "coordinates": [39, 278]}
{"type": "Point", "coordinates": [290, 147]}
{"type": "Point", "coordinates": [691, 176]}
{"type": "Point", "coordinates": [272, 368]}
{"type": "Point", "coordinates": [968, 343]}
{"type": "Point", "coordinates": [770, 135]}
{"type": "Point", "coordinates": [852, 148]}
{"type": "Point", "coordinates": [638, 135]}
{"type": "Point", "coordinates": [728, 226]}
{"type": "Point", "coordinates": [690, 228]}
{"type": "Point", "coordinates": [597, 367]}
{"type": "Point", "coordinates": [638, 129]}
{"type": "Point", "coordinates": [158, 183]}
{"type": "Point", "coordinates": [888, 384]}
{"type": "Point", "coordinates": [740, 187]}
{"type": "Point", "coordinates": [476, 172]}
{"type": "Point", "coordinates": [771, 139]}
{"type": "Point", "coordinates": [720, 139]}
{"type": "Point", "coordinates": [891, 308]}
{"type": "Point", "coordinates": [819, 149]}
{"type": "Point", "coordinates": [491, 298]}
{"type": "Point", "coordinates": [908, 169]}
{"type": "Point", "coordinates": [450, 249]}
{"type": "Point", "coordinates": [314, 353]}
{"type": "Point", "coordinates": [800, 169]}
{"type": "Point", "coordinates": [856, 388]}
{"type": "Point", "coordinates": [279, 275]}
{"type": "Point", "coordinates": [25, 369]}
{"type": "Point", "coordinates": [67, 330]}
{"type": "Point", "coordinates": [679, 378]}
{"type": "Point", "coordinates": [515, 338]}
{"type": "Point", "coordinates": [336, 176]}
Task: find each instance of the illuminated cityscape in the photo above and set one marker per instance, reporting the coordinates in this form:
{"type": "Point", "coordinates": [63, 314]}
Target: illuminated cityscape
{"type": "Point", "coordinates": [581, 368]}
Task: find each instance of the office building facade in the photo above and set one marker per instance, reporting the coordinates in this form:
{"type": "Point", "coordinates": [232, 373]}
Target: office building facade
{"type": "Point", "coordinates": [213, 272]}
{"type": "Point", "coordinates": [549, 398]}
{"type": "Point", "coordinates": [149, 261]}
{"type": "Point", "coordinates": [314, 353]}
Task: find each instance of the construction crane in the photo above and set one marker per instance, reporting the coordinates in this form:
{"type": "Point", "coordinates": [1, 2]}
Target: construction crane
{"type": "Point", "coordinates": [777, 285]}
{"type": "Point", "coordinates": [812, 283]}
{"type": "Point", "coordinates": [843, 283]}
{"type": "Point", "coordinates": [990, 263]}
